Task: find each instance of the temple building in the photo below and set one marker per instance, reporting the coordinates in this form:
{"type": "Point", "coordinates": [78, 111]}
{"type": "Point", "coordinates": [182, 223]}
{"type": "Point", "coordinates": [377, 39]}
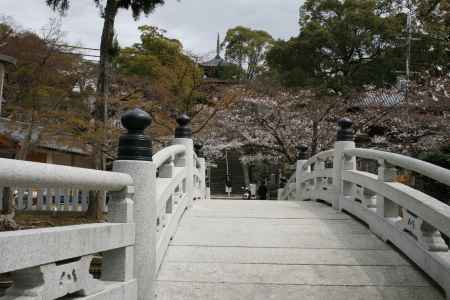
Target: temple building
{"type": "Point", "coordinates": [62, 150]}
{"type": "Point", "coordinates": [213, 66]}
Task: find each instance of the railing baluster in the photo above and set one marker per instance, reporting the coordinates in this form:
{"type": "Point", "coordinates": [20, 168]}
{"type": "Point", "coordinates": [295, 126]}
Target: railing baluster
{"type": "Point", "coordinates": [385, 207]}
{"type": "Point", "coordinates": [40, 200]}
{"type": "Point", "coordinates": [29, 199]}
{"type": "Point", "coordinates": [84, 200]}
{"type": "Point", "coordinates": [66, 199]}
{"type": "Point", "coordinates": [431, 238]}
{"type": "Point", "coordinates": [118, 264]}
{"type": "Point", "coordinates": [167, 170]}
{"type": "Point", "coordinates": [20, 204]}
{"type": "Point", "coordinates": [51, 199]}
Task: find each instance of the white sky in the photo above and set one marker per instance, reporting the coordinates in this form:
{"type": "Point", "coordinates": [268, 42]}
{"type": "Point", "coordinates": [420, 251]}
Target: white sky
{"type": "Point", "coordinates": [194, 22]}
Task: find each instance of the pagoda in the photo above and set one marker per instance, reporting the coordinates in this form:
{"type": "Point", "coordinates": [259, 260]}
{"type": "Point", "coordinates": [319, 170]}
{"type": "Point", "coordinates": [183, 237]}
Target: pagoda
{"type": "Point", "coordinates": [212, 67]}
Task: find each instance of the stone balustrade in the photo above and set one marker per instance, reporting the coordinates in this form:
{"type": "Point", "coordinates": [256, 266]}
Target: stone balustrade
{"type": "Point", "coordinates": [53, 262]}
{"type": "Point", "coordinates": [398, 213]}
{"type": "Point", "coordinates": [148, 196]}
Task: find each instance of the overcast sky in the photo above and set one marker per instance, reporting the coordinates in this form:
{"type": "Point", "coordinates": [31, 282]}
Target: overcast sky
{"type": "Point", "coordinates": [194, 22]}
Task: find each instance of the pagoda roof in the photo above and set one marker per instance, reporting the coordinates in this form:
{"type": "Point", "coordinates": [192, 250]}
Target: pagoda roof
{"type": "Point", "coordinates": [215, 62]}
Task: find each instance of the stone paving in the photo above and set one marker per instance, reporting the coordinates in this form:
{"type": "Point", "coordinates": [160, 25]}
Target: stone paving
{"type": "Point", "coordinates": [231, 249]}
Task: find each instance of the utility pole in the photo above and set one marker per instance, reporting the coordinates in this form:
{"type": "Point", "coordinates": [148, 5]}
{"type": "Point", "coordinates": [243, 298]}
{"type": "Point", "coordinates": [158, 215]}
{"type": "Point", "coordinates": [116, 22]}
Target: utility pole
{"type": "Point", "coordinates": [409, 40]}
{"type": "Point", "coordinates": [409, 46]}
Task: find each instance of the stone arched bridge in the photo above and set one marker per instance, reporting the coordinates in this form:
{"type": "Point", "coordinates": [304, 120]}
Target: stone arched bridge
{"type": "Point", "coordinates": [337, 232]}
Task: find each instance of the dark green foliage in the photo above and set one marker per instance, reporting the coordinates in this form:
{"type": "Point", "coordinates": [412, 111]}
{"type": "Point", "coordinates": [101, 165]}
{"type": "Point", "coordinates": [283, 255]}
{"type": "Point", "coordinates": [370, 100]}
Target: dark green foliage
{"type": "Point", "coordinates": [137, 6]}
{"type": "Point", "coordinates": [431, 187]}
{"type": "Point", "coordinates": [60, 5]}
{"type": "Point", "coordinates": [229, 72]}
{"type": "Point", "coordinates": [247, 48]}
{"type": "Point", "coordinates": [346, 45]}
{"type": "Point", "coordinates": [440, 158]}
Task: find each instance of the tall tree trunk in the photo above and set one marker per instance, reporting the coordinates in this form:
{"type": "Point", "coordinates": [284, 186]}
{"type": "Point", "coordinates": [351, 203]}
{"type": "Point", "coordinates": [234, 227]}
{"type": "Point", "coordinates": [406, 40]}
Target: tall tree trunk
{"type": "Point", "coordinates": [245, 170]}
{"type": "Point", "coordinates": [103, 93]}
{"type": "Point", "coordinates": [315, 138]}
{"type": "Point", "coordinates": [106, 56]}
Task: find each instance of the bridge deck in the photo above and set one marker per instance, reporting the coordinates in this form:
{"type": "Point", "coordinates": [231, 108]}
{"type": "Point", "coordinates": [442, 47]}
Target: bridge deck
{"type": "Point", "coordinates": [283, 250]}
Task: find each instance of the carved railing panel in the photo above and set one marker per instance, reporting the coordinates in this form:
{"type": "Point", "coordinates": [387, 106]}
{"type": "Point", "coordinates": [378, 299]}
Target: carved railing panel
{"type": "Point", "coordinates": [50, 263]}
{"type": "Point", "coordinates": [410, 219]}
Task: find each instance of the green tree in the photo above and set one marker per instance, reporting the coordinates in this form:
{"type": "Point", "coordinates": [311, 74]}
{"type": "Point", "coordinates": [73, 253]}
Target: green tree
{"type": "Point", "coordinates": [168, 79]}
{"type": "Point", "coordinates": [345, 47]}
{"type": "Point", "coordinates": [247, 48]}
{"type": "Point", "coordinates": [348, 45]}
{"type": "Point", "coordinates": [342, 45]}
{"type": "Point", "coordinates": [42, 103]}
{"type": "Point", "coordinates": [109, 9]}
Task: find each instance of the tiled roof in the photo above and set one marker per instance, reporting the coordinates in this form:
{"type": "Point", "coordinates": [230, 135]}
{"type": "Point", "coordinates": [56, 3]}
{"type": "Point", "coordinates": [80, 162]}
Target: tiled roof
{"type": "Point", "coordinates": [381, 98]}
{"type": "Point", "coordinates": [16, 131]}
{"type": "Point", "coordinates": [215, 62]}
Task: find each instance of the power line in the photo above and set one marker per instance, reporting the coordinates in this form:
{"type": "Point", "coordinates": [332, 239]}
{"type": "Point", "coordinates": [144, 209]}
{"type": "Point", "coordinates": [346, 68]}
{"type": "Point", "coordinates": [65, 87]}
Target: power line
{"type": "Point", "coordinates": [80, 54]}
{"type": "Point", "coordinates": [76, 47]}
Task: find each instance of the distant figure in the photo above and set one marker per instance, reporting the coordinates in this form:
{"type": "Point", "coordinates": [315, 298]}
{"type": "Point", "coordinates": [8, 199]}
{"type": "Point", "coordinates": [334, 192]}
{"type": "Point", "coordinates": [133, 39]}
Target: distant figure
{"type": "Point", "coordinates": [262, 191]}
{"type": "Point", "coordinates": [228, 185]}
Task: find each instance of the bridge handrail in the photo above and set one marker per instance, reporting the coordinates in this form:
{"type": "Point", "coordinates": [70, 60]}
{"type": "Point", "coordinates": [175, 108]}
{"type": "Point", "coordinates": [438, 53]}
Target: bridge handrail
{"type": "Point", "coordinates": [395, 211]}
{"type": "Point", "coordinates": [197, 161]}
{"type": "Point", "coordinates": [168, 153]}
{"type": "Point", "coordinates": [427, 169]}
{"type": "Point", "coordinates": [179, 181]}
{"type": "Point", "coordinates": [40, 175]}
{"type": "Point", "coordinates": [148, 195]}
{"type": "Point", "coordinates": [321, 156]}
{"type": "Point", "coordinates": [420, 205]}
{"type": "Point", "coordinates": [47, 253]}
{"type": "Point", "coordinates": [287, 190]}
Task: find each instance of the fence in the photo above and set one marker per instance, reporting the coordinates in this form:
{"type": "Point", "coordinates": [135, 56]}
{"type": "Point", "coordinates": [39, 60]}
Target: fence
{"type": "Point", "coordinates": [148, 196]}
{"type": "Point", "coordinates": [51, 199]}
{"type": "Point", "coordinates": [398, 213]}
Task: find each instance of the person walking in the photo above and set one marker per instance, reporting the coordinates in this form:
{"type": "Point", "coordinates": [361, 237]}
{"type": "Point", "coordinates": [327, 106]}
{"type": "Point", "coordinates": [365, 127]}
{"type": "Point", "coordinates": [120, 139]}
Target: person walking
{"type": "Point", "coordinates": [262, 191]}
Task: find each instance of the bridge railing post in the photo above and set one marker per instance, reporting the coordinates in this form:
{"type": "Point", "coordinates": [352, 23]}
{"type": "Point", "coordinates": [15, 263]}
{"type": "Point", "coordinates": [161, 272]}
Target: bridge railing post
{"type": "Point", "coordinates": [183, 136]}
{"type": "Point", "coordinates": [203, 177]}
{"type": "Point", "coordinates": [343, 142]}
{"type": "Point", "coordinates": [385, 207]}
{"type": "Point", "coordinates": [135, 158]}
{"type": "Point", "coordinates": [302, 158]}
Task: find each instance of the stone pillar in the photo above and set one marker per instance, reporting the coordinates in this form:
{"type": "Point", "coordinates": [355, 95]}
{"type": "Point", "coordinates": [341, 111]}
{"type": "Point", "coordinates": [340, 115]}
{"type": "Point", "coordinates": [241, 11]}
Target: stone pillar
{"type": "Point", "coordinates": [135, 159]}
{"type": "Point", "coordinates": [118, 264]}
{"type": "Point", "coordinates": [344, 141]}
{"type": "Point", "coordinates": [183, 136]}
{"type": "Point", "coordinates": [385, 207]}
{"type": "Point", "coordinates": [302, 158]}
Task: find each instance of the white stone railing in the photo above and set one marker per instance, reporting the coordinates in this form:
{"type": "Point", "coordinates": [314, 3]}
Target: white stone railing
{"type": "Point", "coordinates": [53, 262]}
{"type": "Point", "coordinates": [52, 199]}
{"type": "Point", "coordinates": [178, 183]}
{"type": "Point", "coordinates": [289, 191]}
{"type": "Point", "coordinates": [149, 195]}
{"type": "Point", "coordinates": [406, 217]}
